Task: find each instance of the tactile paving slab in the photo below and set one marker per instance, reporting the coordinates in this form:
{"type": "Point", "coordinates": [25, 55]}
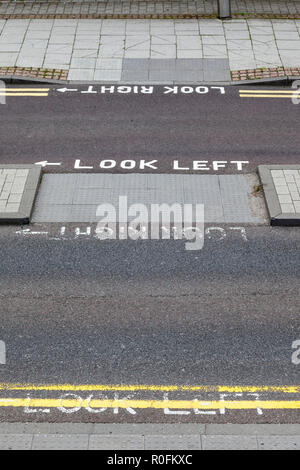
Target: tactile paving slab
{"type": "Point", "coordinates": [281, 184]}
{"type": "Point", "coordinates": [75, 197]}
{"type": "Point", "coordinates": [18, 188]}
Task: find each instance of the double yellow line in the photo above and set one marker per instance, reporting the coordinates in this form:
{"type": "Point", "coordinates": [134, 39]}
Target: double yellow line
{"type": "Point", "coordinates": [150, 404]}
{"type": "Point", "coordinates": [71, 400]}
{"type": "Point", "coordinates": [24, 91]}
{"type": "Point", "coordinates": [270, 93]}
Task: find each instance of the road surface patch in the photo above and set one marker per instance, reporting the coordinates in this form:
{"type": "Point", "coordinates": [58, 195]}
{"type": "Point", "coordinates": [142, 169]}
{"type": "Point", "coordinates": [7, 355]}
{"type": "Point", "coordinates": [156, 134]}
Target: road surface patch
{"type": "Point", "coordinates": [76, 197]}
{"type": "Point", "coordinates": [281, 184]}
{"type": "Point", "coordinates": [18, 187]}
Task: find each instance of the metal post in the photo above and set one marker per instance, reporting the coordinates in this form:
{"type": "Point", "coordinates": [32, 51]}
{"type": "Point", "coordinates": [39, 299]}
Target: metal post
{"type": "Point", "coordinates": [224, 9]}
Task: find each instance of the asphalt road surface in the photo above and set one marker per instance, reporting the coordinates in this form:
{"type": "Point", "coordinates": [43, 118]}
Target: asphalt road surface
{"type": "Point", "coordinates": [62, 127]}
{"type": "Point", "coordinates": [86, 311]}
{"type": "Point", "coordinates": [149, 314]}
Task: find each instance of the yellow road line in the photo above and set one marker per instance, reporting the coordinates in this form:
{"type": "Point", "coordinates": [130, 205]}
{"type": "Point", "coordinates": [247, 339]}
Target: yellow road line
{"type": "Point", "coordinates": [23, 94]}
{"type": "Point", "coordinates": [270, 91]}
{"type": "Point", "coordinates": [152, 388]}
{"type": "Point", "coordinates": [296, 95]}
{"type": "Point", "coordinates": [151, 404]}
{"type": "Point", "coordinates": [24, 89]}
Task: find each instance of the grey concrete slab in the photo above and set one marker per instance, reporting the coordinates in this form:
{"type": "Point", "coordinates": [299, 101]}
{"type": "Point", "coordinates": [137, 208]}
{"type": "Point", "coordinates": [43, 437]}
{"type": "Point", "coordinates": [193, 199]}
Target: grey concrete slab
{"type": "Point", "coordinates": [119, 442]}
{"type": "Point", "coordinates": [216, 75]}
{"type": "Point", "coordinates": [135, 63]}
{"type": "Point", "coordinates": [53, 428]}
{"type": "Point", "coordinates": [253, 429]}
{"type": "Point", "coordinates": [15, 441]}
{"type": "Point", "coordinates": [12, 428]}
{"type": "Point", "coordinates": [149, 429]}
{"type": "Point", "coordinates": [173, 442]}
{"type": "Point", "coordinates": [60, 442]}
{"type": "Point", "coordinates": [229, 442]}
{"type": "Point", "coordinates": [135, 74]}
{"type": "Point", "coordinates": [162, 64]}
{"type": "Point", "coordinates": [189, 76]}
{"type": "Point", "coordinates": [281, 185]}
{"type": "Point", "coordinates": [18, 188]}
{"type": "Point", "coordinates": [189, 64]}
{"type": "Point", "coordinates": [279, 442]}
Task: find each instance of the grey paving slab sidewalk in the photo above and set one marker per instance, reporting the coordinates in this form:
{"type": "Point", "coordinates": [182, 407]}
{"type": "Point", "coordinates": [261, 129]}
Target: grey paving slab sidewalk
{"type": "Point", "coordinates": [18, 188]}
{"type": "Point", "coordinates": [116, 50]}
{"type": "Point", "coordinates": [76, 197]}
{"type": "Point", "coordinates": [142, 7]}
{"type": "Point", "coordinates": [281, 185]}
{"type": "Point", "coordinates": [43, 436]}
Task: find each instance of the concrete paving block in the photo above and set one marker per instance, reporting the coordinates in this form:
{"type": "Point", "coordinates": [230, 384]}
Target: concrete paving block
{"type": "Point", "coordinates": [15, 441]}
{"type": "Point", "coordinates": [173, 442]}
{"type": "Point", "coordinates": [163, 75]}
{"type": "Point", "coordinates": [279, 442]}
{"type": "Point", "coordinates": [58, 428]}
{"type": "Point", "coordinates": [18, 194]}
{"type": "Point", "coordinates": [83, 62]}
{"type": "Point", "coordinates": [60, 442]}
{"type": "Point", "coordinates": [81, 74]}
{"type": "Point", "coordinates": [107, 75]}
{"type": "Point", "coordinates": [253, 429]}
{"type": "Point", "coordinates": [281, 200]}
{"type": "Point", "coordinates": [135, 75]}
{"type": "Point", "coordinates": [182, 65]}
{"type": "Point", "coordinates": [189, 76]}
{"type": "Point", "coordinates": [119, 442]}
{"type": "Point", "coordinates": [228, 442]}
{"type": "Point", "coordinates": [12, 428]}
{"type": "Point", "coordinates": [149, 429]}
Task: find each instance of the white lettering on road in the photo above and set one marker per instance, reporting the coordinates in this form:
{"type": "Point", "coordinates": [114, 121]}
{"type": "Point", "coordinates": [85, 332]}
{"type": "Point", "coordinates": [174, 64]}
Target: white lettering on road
{"type": "Point", "coordinates": [211, 233]}
{"type": "Point", "coordinates": [145, 90]}
{"type": "Point", "coordinates": [70, 403]}
{"type": "Point", "coordinates": [296, 354]}
{"type": "Point", "coordinates": [176, 165]}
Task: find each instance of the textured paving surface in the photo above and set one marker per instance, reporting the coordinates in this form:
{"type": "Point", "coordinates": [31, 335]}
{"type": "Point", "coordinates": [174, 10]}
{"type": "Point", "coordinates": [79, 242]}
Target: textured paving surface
{"type": "Point", "coordinates": [12, 185]}
{"type": "Point", "coordinates": [287, 186]}
{"type": "Point", "coordinates": [148, 437]}
{"type": "Point", "coordinates": [18, 186]}
{"type": "Point", "coordinates": [282, 190]}
{"type": "Point", "coordinates": [75, 197]}
{"type": "Point", "coordinates": [144, 7]}
{"type": "Point", "coordinates": [175, 70]}
{"type": "Point", "coordinates": [99, 49]}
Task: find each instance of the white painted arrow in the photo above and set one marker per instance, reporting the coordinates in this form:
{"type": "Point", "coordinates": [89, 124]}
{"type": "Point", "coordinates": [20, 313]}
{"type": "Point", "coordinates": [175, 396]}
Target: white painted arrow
{"type": "Point", "coordinates": [27, 231]}
{"type": "Point", "coordinates": [46, 163]}
{"type": "Point", "coordinates": [63, 90]}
